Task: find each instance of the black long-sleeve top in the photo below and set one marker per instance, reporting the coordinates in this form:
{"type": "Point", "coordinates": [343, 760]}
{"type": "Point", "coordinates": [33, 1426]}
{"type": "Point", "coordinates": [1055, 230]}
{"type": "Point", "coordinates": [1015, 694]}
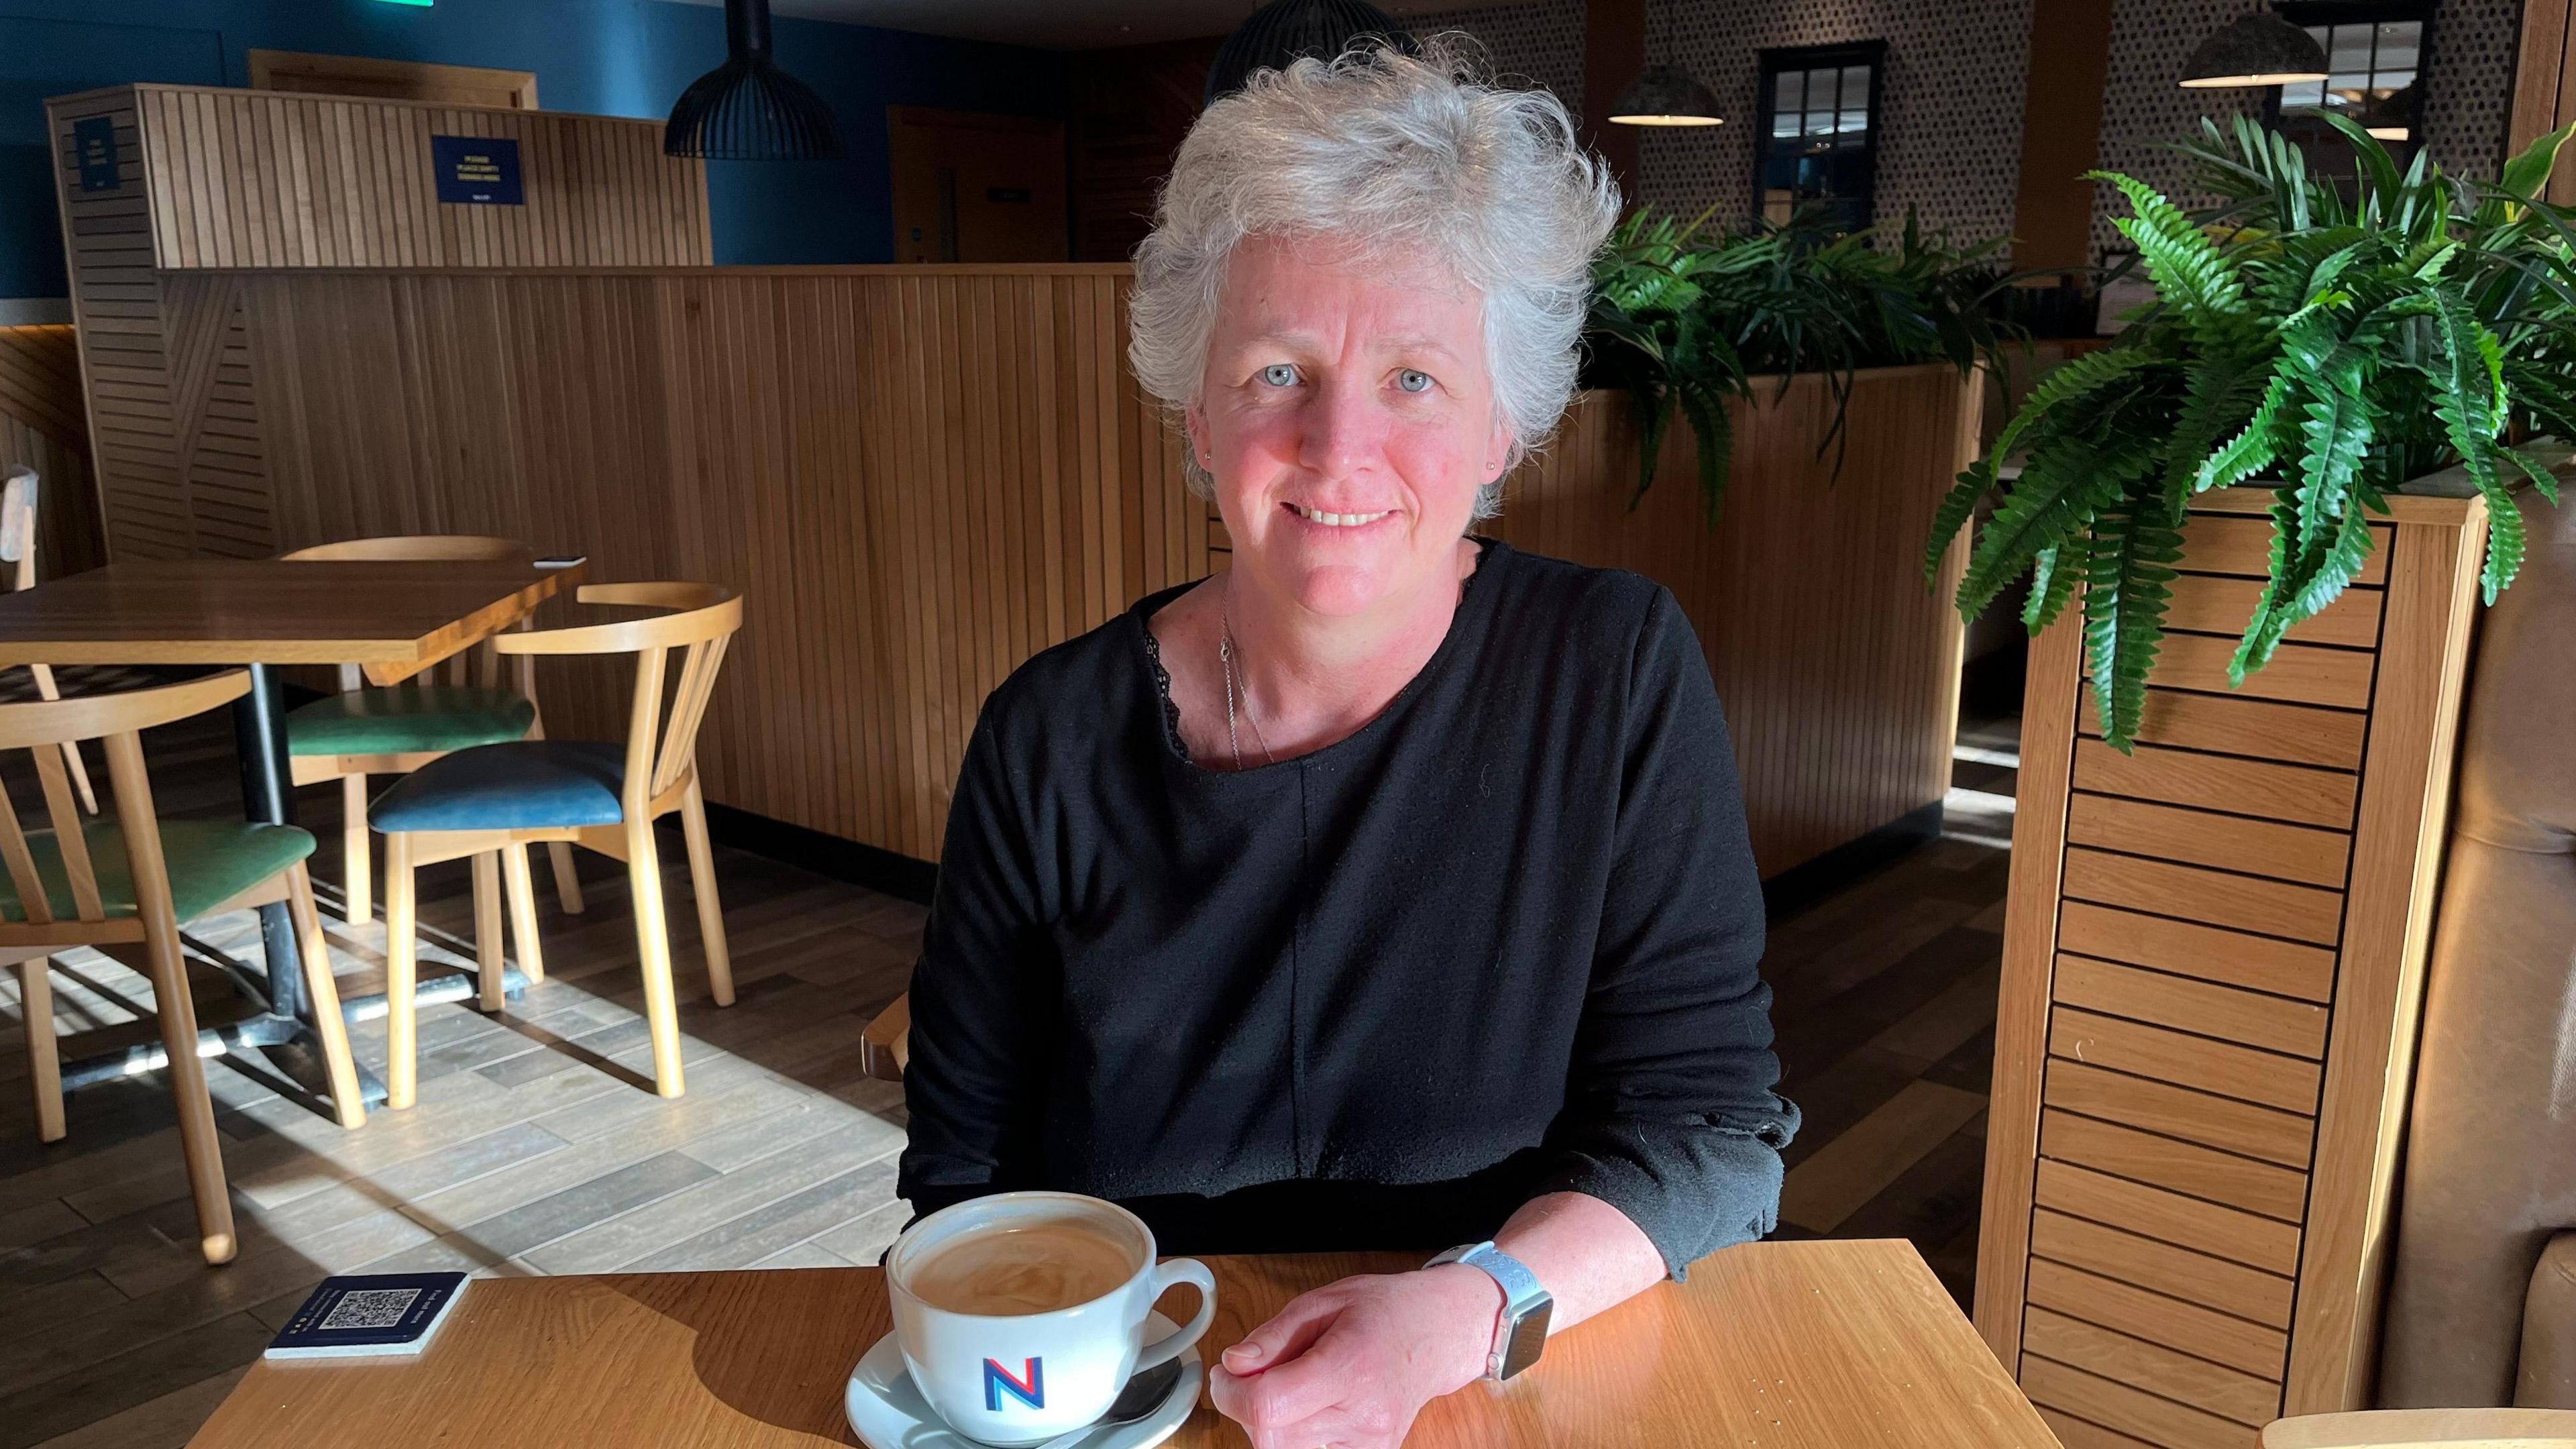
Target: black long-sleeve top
{"type": "Point", "coordinates": [1501, 942]}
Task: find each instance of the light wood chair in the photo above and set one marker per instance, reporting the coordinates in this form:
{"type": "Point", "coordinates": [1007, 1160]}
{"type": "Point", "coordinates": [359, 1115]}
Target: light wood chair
{"type": "Point", "coordinates": [130, 884]}
{"type": "Point", "coordinates": [395, 733]}
{"type": "Point", "coordinates": [2426, 1429]}
{"type": "Point", "coordinates": [598, 795]}
{"type": "Point", "coordinates": [18, 546]}
{"type": "Point", "coordinates": [885, 1046]}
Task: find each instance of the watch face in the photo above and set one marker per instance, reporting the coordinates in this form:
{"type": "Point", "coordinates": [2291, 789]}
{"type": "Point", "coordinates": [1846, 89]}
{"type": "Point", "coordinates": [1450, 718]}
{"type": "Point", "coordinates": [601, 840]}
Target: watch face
{"type": "Point", "coordinates": [1528, 1336]}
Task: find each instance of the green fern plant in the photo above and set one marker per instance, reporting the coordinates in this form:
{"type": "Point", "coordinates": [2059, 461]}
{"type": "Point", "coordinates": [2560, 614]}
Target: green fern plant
{"type": "Point", "coordinates": [2338, 339]}
{"type": "Point", "coordinates": [1683, 320]}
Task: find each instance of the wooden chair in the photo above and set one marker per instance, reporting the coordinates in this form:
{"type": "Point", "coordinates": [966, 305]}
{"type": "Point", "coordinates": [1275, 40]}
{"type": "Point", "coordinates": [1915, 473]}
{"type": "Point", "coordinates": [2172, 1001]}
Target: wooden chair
{"type": "Point", "coordinates": [360, 732]}
{"type": "Point", "coordinates": [2426, 1429]}
{"type": "Point", "coordinates": [885, 1046]}
{"type": "Point", "coordinates": [18, 546]}
{"type": "Point", "coordinates": [601, 796]}
{"type": "Point", "coordinates": [131, 884]}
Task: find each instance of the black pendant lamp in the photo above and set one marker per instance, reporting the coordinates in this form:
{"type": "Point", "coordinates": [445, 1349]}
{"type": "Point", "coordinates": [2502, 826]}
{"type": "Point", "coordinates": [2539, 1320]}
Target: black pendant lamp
{"type": "Point", "coordinates": [1666, 95]}
{"type": "Point", "coordinates": [747, 109]}
{"type": "Point", "coordinates": [2254, 49]}
{"type": "Point", "coordinates": [1284, 31]}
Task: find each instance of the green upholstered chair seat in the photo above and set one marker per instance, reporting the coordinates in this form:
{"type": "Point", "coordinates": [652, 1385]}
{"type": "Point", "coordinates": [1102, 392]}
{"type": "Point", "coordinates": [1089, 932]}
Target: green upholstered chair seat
{"type": "Point", "coordinates": [522, 785]}
{"type": "Point", "coordinates": [211, 861]}
{"type": "Point", "coordinates": [411, 719]}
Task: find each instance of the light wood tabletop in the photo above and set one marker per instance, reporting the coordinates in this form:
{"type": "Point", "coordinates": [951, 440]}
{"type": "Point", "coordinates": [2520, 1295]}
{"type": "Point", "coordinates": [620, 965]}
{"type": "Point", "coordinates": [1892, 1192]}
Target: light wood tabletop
{"type": "Point", "coordinates": [1809, 1345]}
{"type": "Point", "coordinates": [397, 617]}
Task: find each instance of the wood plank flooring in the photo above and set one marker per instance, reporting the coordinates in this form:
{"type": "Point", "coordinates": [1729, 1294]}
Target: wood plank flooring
{"type": "Point", "coordinates": [537, 1146]}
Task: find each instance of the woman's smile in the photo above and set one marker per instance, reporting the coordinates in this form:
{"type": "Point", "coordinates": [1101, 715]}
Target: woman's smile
{"type": "Point", "coordinates": [1341, 520]}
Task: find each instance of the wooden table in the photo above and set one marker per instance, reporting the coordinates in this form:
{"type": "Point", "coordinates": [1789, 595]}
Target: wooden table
{"type": "Point", "coordinates": [393, 618]}
{"type": "Point", "coordinates": [1813, 1345]}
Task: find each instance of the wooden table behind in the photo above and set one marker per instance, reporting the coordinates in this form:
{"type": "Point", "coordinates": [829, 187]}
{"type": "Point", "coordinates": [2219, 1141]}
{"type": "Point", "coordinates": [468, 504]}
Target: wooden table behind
{"type": "Point", "coordinates": [1815, 1345]}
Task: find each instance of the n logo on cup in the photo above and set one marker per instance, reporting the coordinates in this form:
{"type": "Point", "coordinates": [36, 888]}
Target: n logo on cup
{"type": "Point", "coordinates": [1029, 1388]}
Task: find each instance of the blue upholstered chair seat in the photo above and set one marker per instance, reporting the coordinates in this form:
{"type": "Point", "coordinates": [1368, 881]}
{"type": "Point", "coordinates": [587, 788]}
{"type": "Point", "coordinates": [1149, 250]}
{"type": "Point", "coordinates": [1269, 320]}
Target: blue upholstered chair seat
{"type": "Point", "coordinates": [525, 784]}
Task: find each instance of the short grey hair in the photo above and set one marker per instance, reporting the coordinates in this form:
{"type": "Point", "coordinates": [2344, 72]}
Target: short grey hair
{"type": "Point", "coordinates": [1402, 157]}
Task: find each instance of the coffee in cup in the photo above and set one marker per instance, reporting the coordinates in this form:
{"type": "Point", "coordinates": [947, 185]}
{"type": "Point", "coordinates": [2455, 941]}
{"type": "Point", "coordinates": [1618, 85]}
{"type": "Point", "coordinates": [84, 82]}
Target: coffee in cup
{"type": "Point", "coordinates": [1022, 1315]}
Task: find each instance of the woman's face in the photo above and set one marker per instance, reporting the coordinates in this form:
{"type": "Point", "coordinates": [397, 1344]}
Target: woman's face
{"type": "Point", "coordinates": [1348, 418]}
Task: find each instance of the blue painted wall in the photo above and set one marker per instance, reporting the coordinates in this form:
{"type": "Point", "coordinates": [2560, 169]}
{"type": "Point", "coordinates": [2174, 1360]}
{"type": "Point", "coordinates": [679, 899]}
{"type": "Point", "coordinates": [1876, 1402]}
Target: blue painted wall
{"type": "Point", "coordinates": [608, 57]}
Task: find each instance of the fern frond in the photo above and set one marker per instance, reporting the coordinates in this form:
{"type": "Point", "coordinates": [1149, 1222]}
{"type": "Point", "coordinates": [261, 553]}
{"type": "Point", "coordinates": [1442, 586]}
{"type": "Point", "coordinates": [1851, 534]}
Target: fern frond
{"type": "Point", "coordinates": [2187, 268]}
{"type": "Point", "coordinates": [2469, 398]}
{"type": "Point", "coordinates": [1957, 506]}
{"type": "Point", "coordinates": [2126, 591]}
{"type": "Point", "coordinates": [2253, 449]}
{"type": "Point", "coordinates": [2072, 381]}
{"type": "Point", "coordinates": [1714, 430]}
{"type": "Point", "coordinates": [2541, 478]}
{"type": "Point", "coordinates": [2054, 575]}
{"type": "Point", "coordinates": [2065, 482]}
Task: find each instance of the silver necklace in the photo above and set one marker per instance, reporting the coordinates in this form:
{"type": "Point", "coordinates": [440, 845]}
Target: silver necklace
{"type": "Point", "coordinates": [1225, 651]}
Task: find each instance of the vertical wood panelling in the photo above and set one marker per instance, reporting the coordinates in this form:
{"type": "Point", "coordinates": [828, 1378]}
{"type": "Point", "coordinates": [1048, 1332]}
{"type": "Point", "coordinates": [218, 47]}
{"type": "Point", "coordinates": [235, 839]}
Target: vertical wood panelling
{"type": "Point", "coordinates": [895, 465]}
{"type": "Point", "coordinates": [1839, 669]}
{"type": "Point", "coordinates": [2250, 1058]}
{"type": "Point", "coordinates": [219, 178]}
{"type": "Point", "coordinates": [42, 426]}
{"type": "Point", "coordinates": [272, 179]}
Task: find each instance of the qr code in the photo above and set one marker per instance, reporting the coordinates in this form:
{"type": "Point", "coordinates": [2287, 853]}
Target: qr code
{"type": "Point", "coordinates": [371, 1308]}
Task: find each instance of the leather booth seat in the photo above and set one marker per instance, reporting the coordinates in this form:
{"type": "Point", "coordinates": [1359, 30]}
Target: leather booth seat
{"type": "Point", "coordinates": [2482, 1303]}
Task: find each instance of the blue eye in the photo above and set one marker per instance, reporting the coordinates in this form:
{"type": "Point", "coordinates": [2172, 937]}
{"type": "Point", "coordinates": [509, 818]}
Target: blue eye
{"type": "Point", "coordinates": [1412, 381]}
{"type": "Point", "coordinates": [1280, 374]}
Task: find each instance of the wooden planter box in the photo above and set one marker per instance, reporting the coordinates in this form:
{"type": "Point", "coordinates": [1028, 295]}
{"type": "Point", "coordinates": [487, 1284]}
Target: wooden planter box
{"type": "Point", "coordinates": [1838, 668]}
{"type": "Point", "coordinates": [2213, 957]}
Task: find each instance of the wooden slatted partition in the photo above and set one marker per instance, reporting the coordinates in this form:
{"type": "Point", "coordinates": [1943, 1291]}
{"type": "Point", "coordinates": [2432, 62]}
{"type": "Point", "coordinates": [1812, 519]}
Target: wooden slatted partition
{"type": "Point", "coordinates": [919, 476]}
{"type": "Point", "coordinates": [2213, 950]}
{"type": "Point", "coordinates": [209, 178]}
{"type": "Point", "coordinates": [1838, 667]}
{"type": "Point", "coordinates": [41, 426]}
{"type": "Point", "coordinates": [278, 179]}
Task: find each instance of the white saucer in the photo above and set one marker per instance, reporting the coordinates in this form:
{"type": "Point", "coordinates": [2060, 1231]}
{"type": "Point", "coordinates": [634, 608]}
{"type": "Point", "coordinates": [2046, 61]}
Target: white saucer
{"type": "Point", "coordinates": [889, 1413]}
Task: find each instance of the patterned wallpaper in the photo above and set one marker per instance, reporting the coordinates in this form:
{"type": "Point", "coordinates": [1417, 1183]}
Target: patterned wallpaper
{"type": "Point", "coordinates": [2467, 89]}
{"type": "Point", "coordinates": [1537, 43]}
{"type": "Point", "coordinates": [1951, 142]}
{"type": "Point", "coordinates": [1952, 96]}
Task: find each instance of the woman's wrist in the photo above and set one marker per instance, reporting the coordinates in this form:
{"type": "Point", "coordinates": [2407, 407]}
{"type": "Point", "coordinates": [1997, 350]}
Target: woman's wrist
{"type": "Point", "coordinates": [1473, 1303]}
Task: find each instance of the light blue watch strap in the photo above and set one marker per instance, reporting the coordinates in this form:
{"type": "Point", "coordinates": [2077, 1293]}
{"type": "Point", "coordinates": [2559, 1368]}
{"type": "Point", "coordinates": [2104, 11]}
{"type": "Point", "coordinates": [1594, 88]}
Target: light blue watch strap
{"type": "Point", "coordinates": [1520, 1331]}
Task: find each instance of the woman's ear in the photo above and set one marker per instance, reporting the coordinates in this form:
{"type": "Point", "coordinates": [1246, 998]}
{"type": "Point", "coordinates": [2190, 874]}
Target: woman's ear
{"type": "Point", "coordinates": [1194, 417]}
{"type": "Point", "coordinates": [1498, 447]}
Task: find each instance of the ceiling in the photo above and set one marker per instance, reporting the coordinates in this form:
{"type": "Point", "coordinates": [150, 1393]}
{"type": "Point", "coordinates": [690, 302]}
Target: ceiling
{"type": "Point", "coordinates": [1060, 24]}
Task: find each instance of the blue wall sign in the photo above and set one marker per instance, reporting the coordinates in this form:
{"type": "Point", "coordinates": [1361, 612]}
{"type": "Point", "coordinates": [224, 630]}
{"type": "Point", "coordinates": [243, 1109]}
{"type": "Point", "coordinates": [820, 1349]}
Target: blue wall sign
{"type": "Point", "coordinates": [479, 170]}
{"type": "Point", "coordinates": [94, 144]}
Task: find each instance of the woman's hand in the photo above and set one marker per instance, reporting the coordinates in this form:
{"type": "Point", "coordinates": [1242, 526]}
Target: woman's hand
{"type": "Point", "coordinates": [1349, 1365]}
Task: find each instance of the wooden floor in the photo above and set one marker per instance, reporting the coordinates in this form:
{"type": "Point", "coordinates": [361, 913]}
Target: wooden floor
{"type": "Point", "coordinates": [537, 1146]}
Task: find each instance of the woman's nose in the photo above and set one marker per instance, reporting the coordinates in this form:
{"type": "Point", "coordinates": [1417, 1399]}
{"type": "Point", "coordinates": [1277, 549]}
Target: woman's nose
{"type": "Point", "coordinates": [1343, 431]}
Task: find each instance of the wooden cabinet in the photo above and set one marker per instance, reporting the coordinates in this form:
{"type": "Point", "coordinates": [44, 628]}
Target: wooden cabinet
{"type": "Point", "coordinates": [2213, 957]}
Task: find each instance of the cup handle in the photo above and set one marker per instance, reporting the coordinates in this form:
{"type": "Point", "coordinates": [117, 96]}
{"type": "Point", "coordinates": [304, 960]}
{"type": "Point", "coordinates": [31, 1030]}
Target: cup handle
{"type": "Point", "coordinates": [1196, 1274]}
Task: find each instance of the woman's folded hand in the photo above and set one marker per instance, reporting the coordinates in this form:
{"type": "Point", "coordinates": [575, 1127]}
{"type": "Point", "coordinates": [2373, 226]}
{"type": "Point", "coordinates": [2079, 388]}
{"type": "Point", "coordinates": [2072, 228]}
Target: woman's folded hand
{"type": "Point", "coordinates": [1349, 1365]}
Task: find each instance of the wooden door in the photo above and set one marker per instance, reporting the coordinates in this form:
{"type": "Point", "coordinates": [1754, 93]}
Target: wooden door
{"type": "Point", "coordinates": [393, 80]}
{"type": "Point", "coordinates": [971, 187]}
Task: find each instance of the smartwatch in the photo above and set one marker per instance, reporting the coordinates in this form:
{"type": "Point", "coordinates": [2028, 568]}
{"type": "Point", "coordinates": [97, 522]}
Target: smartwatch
{"type": "Point", "coordinates": [1520, 1331]}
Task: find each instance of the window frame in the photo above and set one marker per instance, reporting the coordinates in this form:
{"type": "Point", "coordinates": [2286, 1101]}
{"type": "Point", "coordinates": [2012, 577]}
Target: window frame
{"type": "Point", "coordinates": [1771, 62]}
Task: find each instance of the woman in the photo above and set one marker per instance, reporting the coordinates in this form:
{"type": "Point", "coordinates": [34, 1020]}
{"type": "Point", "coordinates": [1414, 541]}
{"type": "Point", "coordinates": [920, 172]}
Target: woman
{"type": "Point", "coordinates": [1389, 889]}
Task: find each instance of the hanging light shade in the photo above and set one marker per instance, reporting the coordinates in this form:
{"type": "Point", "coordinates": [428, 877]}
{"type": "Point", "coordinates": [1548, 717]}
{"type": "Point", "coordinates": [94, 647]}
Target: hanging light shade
{"type": "Point", "coordinates": [2257, 49]}
{"type": "Point", "coordinates": [1287, 30]}
{"type": "Point", "coordinates": [1666, 95]}
{"type": "Point", "coordinates": [747, 109]}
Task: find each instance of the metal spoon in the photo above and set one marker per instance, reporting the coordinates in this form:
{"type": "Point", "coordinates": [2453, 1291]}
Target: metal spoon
{"type": "Point", "coordinates": [1145, 1392]}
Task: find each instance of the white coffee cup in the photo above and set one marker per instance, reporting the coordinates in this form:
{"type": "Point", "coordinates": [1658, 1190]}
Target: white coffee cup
{"type": "Point", "coordinates": [1017, 1379]}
